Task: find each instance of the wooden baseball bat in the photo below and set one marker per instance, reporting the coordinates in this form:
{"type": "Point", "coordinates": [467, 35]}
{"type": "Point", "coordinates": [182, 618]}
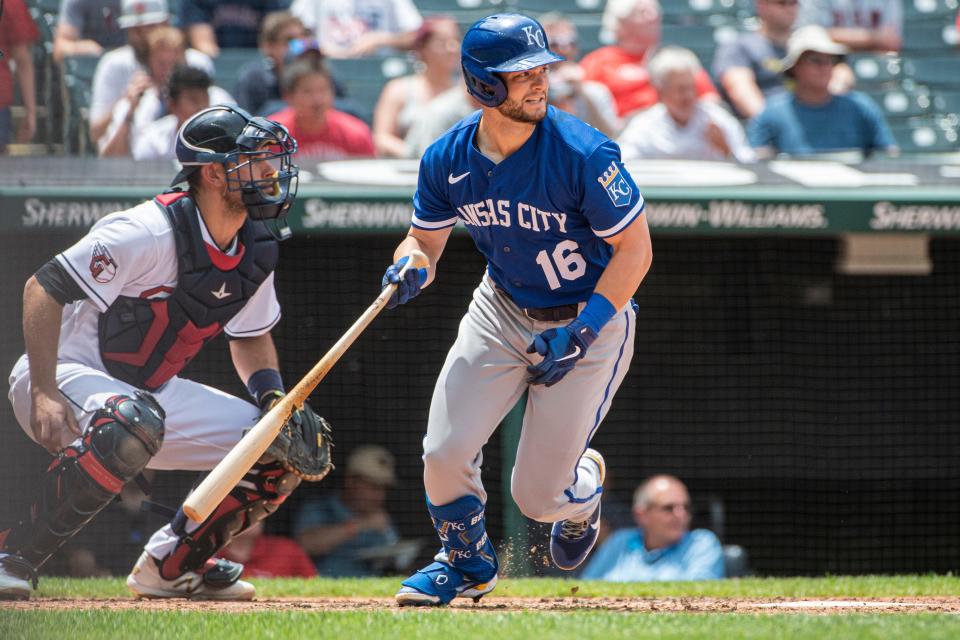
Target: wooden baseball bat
{"type": "Point", "coordinates": [204, 499]}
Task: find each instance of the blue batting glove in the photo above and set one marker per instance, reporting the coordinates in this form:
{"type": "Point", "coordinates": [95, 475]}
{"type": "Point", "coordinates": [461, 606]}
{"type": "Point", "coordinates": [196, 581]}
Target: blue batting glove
{"type": "Point", "coordinates": [561, 349]}
{"type": "Point", "coordinates": [408, 288]}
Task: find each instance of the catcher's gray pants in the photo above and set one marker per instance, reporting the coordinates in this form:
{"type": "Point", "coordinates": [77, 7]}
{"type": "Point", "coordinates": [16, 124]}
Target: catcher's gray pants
{"type": "Point", "coordinates": [482, 379]}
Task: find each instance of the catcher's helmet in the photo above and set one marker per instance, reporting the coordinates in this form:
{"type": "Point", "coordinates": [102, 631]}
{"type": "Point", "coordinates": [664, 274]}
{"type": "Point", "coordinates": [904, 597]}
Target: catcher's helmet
{"type": "Point", "coordinates": [500, 43]}
{"type": "Point", "coordinates": [229, 134]}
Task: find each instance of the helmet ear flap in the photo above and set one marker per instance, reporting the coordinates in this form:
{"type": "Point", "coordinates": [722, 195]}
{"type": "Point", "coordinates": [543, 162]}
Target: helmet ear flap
{"type": "Point", "coordinates": [488, 88]}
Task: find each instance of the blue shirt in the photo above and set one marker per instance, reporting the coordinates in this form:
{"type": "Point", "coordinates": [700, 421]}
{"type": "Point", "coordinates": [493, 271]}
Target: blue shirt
{"type": "Point", "coordinates": [851, 121]}
{"type": "Point", "coordinates": [341, 561]}
{"type": "Point", "coordinates": [623, 558]}
{"type": "Point", "coordinates": [541, 215]}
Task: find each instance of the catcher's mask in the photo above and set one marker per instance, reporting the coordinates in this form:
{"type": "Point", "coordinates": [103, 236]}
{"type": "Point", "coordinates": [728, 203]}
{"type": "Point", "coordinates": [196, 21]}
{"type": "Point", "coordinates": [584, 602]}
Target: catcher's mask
{"type": "Point", "coordinates": [231, 136]}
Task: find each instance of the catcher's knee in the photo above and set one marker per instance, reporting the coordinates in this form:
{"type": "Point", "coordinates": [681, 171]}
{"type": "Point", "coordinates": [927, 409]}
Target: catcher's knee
{"type": "Point", "coordinates": [89, 474]}
{"type": "Point", "coordinates": [126, 433]}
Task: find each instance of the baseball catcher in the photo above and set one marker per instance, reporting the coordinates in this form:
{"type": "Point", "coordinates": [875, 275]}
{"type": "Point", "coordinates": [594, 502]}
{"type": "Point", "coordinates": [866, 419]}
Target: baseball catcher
{"type": "Point", "coordinates": [110, 322]}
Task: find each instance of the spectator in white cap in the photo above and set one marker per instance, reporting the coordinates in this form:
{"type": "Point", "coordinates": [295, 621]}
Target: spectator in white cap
{"type": "Point", "coordinates": [336, 529]}
{"type": "Point", "coordinates": [682, 125]}
{"type": "Point", "coordinates": [812, 119]}
{"type": "Point", "coordinates": [122, 72]}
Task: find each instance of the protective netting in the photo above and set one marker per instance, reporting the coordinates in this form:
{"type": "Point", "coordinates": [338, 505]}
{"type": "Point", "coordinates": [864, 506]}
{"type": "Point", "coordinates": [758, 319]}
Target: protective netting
{"type": "Point", "coordinates": [812, 414]}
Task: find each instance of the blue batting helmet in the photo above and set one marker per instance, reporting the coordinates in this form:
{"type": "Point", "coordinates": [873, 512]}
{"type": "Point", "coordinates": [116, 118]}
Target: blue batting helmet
{"type": "Point", "coordinates": [501, 43]}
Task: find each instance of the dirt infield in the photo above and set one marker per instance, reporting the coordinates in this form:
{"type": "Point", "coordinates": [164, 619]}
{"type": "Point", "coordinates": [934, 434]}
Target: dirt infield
{"type": "Point", "coordinates": [502, 604]}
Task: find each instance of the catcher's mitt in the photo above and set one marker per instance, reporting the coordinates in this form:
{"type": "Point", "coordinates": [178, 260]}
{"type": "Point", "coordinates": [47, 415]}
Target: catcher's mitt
{"type": "Point", "coordinates": [303, 445]}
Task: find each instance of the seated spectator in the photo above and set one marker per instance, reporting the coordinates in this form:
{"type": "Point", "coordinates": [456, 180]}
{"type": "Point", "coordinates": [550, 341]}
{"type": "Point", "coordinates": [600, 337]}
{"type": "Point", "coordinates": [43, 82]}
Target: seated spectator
{"type": "Point", "coordinates": [267, 556]}
{"type": "Point", "coordinates": [859, 25]}
{"type": "Point", "coordinates": [322, 132]}
{"type": "Point", "coordinates": [444, 111]}
{"type": "Point", "coordinates": [590, 101]}
{"type": "Point", "coordinates": [122, 72]}
{"type": "Point", "coordinates": [134, 113]}
{"type": "Point", "coordinates": [86, 28]}
{"type": "Point", "coordinates": [215, 24]}
{"type": "Point", "coordinates": [622, 67]}
{"type": "Point", "coordinates": [17, 35]}
{"type": "Point", "coordinates": [354, 28]}
{"type": "Point", "coordinates": [188, 92]}
{"type": "Point", "coordinates": [812, 119]}
{"type": "Point", "coordinates": [437, 47]}
{"type": "Point", "coordinates": [336, 529]}
{"type": "Point", "coordinates": [662, 548]}
{"type": "Point", "coordinates": [259, 83]}
{"type": "Point", "coordinates": [682, 125]}
{"type": "Point", "coordinates": [748, 68]}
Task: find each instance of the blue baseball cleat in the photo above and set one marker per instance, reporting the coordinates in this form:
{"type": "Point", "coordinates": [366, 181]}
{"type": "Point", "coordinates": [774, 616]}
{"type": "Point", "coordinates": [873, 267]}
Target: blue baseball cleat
{"type": "Point", "coordinates": [439, 583]}
{"type": "Point", "coordinates": [572, 540]}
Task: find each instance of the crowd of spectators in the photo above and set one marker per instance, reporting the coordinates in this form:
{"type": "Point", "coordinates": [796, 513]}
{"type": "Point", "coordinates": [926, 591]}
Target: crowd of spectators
{"type": "Point", "coordinates": [657, 101]}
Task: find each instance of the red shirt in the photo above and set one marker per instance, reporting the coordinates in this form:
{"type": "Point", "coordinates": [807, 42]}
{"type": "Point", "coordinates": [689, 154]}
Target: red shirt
{"type": "Point", "coordinates": [343, 136]}
{"type": "Point", "coordinates": [16, 28]}
{"type": "Point", "coordinates": [278, 557]}
{"type": "Point", "coordinates": [628, 80]}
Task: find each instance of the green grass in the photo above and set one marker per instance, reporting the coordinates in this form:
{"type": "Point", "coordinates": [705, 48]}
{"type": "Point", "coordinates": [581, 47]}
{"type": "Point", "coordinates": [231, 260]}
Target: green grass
{"type": "Point", "coordinates": [830, 586]}
{"type": "Point", "coordinates": [292, 624]}
{"type": "Point", "coordinates": [421, 625]}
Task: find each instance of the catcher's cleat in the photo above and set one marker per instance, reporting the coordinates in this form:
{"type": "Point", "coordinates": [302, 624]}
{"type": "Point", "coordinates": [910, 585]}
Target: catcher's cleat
{"type": "Point", "coordinates": [220, 580]}
{"type": "Point", "coordinates": [572, 540]}
{"type": "Point", "coordinates": [18, 578]}
{"type": "Point", "coordinates": [439, 583]}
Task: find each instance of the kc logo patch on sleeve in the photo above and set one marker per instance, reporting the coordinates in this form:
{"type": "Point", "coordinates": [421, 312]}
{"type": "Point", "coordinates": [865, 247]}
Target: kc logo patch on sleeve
{"type": "Point", "coordinates": [617, 184]}
{"type": "Point", "coordinates": [102, 265]}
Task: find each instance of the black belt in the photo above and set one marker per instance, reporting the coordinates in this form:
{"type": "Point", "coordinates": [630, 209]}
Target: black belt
{"type": "Point", "coordinates": [547, 314]}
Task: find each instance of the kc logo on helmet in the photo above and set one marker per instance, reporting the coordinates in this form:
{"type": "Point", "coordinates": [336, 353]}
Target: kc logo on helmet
{"type": "Point", "coordinates": [616, 185]}
{"type": "Point", "coordinates": [534, 36]}
{"type": "Point", "coordinates": [102, 265]}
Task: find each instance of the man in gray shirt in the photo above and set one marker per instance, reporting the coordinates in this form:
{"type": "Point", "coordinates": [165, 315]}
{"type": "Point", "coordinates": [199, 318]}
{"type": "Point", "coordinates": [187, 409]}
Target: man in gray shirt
{"type": "Point", "coordinates": [748, 69]}
{"type": "Point", "coordinates": [86, 28]}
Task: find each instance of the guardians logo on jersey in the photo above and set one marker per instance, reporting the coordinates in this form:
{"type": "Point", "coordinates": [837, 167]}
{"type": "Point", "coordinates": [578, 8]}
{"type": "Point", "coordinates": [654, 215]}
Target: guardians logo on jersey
{"type": "Point", "coordinates": [102, 265]}
{"type": "Point", "coordinates": [615, 183]}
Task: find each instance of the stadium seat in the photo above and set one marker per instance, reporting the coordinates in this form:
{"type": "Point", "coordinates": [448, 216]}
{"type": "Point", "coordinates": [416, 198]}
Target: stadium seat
{"type": "Point", "coordinates": [736, 564]}
{"type": "Point", "coordinates": [697, 38]}
{"type": "Point", "coordinates": [940, 71]}
{"type": "Point", "coordinates": [925, 38]}
{"type": "Point", "coordinates": [947, 102]}
{"type": "Point", "coordinates": [228, 64]}
{"type": "Point", "coordinates": [46, 6]}
{"type": "Point", "coordinates": [47, 75]}
{"type": "Point", "coordinates": [77, 87]}
{"type": "Point", "coordinates": [930, 10]}
{"type": "Point", "coordinates": [900, 103]}
{"type": "Point", "coordinates": [569, 7]}
{"type": "Point", "coordinates": [927, 135]}
{"type": "Point", "coordinates": [697, 11]}
{"type": "Point", "coordinates": [875, 69]}
{"type": "Point", "coordinates": [363, 78]}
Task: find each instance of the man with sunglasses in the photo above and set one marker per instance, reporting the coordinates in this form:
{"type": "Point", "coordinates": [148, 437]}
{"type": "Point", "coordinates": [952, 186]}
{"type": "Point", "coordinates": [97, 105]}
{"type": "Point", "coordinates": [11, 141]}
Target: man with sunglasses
{"type": "Point", "coordinates": [662, 547]}
{"type": "Point", "coordinates": [110, 322]}
{"type": "Point", "coordinates": [812, 119]}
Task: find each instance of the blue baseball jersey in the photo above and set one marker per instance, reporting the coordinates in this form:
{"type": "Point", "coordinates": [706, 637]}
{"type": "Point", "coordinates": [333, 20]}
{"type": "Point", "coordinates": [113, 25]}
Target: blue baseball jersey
{"type": "Point", "coordinates": [541, 215]}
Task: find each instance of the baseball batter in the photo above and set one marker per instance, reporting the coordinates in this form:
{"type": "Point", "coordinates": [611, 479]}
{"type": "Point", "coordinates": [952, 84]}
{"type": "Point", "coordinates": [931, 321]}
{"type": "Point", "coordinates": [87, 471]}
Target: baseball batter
{"type": "Point", "coordinates": [111, 321]}
{"type": "Point", "coordinates": [549, 204]}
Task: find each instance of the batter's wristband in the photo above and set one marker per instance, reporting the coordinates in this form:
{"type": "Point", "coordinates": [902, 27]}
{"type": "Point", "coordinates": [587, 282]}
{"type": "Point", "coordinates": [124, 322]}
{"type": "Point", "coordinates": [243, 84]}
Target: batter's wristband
{"type": "Point", "coordinates": [264, 381]}
{"type": "Point", "coordinates": [597, 312]}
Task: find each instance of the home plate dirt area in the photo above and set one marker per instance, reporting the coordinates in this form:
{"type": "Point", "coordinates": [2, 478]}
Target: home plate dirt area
{"type": "Point", "coordinates": [499, 605]}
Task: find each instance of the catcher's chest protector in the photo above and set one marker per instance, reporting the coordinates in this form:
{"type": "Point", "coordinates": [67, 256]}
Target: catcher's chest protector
{"type": "Point", "coordinates": [146, 342]}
